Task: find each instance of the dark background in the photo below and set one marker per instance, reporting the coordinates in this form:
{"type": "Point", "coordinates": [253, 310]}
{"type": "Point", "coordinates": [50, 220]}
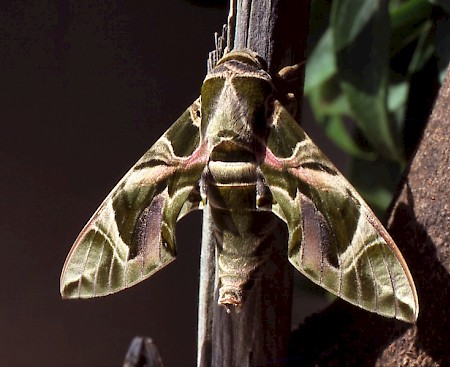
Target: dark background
{"type": "Point", "coordinates": [85, 89]}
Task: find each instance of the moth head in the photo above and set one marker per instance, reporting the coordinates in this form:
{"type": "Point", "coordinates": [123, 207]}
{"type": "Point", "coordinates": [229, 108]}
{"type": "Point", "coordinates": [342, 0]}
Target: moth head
{"type": "Point", "coordinates": [245, 56]}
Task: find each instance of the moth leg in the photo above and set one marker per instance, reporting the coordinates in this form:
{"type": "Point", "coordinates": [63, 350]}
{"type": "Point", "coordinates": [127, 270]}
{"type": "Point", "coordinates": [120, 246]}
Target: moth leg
{"type": "Point", "coordinates": [286, 83]}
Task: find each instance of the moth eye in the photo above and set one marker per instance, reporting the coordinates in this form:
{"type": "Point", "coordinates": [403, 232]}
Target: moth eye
{"type": "Point", "coordinates": [291, 104]}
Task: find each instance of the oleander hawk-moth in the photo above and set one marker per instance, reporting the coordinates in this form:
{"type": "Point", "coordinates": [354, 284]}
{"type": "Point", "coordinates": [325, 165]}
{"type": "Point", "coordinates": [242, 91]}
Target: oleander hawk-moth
{"type": "Point", "coordinates": [238, 150]}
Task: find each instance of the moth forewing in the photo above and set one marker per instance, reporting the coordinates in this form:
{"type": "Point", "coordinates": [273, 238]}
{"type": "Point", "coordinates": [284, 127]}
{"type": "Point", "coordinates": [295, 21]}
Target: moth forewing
{"type": "Point", "coordinates": [131, 235]}
{"type": "Point", "coordinates": [335, 239]}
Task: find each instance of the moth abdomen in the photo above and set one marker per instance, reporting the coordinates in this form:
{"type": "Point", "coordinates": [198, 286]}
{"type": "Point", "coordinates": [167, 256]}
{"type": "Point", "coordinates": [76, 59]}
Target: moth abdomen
{"type": "Point", "coordinates": [232, 173]}
{"type": "Point", "coordinates": [240, 227]}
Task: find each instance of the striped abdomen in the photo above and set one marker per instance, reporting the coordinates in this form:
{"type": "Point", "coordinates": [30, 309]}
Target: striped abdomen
{"type": "Point", "coordinates": [234, 191]}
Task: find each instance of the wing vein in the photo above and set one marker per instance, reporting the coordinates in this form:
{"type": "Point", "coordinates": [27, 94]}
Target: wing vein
{"type": "Point", "coordinates": [84, 266]}
{"type": "Point", "coordinates": [98, 268]}
{"type": "Point", "coordinates": [392, 282]}
{"type": "Point", "coordinates": [355, 264]}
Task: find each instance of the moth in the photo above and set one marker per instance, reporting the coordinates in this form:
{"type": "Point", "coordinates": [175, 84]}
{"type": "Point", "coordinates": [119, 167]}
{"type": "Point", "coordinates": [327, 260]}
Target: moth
{"type": "Point", "coordinates": [238, 150]}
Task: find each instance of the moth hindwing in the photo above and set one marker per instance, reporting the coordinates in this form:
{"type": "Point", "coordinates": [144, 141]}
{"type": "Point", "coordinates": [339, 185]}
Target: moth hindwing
{"type": "Point", "coordinates": [238, 150]}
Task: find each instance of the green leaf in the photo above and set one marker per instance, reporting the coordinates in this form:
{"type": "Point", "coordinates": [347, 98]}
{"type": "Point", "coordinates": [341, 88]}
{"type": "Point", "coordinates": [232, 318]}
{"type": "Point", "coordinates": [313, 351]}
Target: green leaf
{"type": "Point", "coordinates": [397, 102]}
{"type": "Point", "coordinates": [424, 49]}
{"type": "Point", "coordinates": [361, 42]}
{"type": "Point", "coordinates": [375, 181]}
{"type": "Point", "coordinates": [408, 14]}
{"type": "Point", "coordinates": [336, 130]}
{"type": "Point", "coordinates": [329, 115]}
{"type": "Point", "coordinates": [406, 19]}
{"type": "Point", "coordinates": [398, 95]}
{"type": "Point", "coordinates": [327, 99]}
{"type": "Point", "coordinates": [321, 63]}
